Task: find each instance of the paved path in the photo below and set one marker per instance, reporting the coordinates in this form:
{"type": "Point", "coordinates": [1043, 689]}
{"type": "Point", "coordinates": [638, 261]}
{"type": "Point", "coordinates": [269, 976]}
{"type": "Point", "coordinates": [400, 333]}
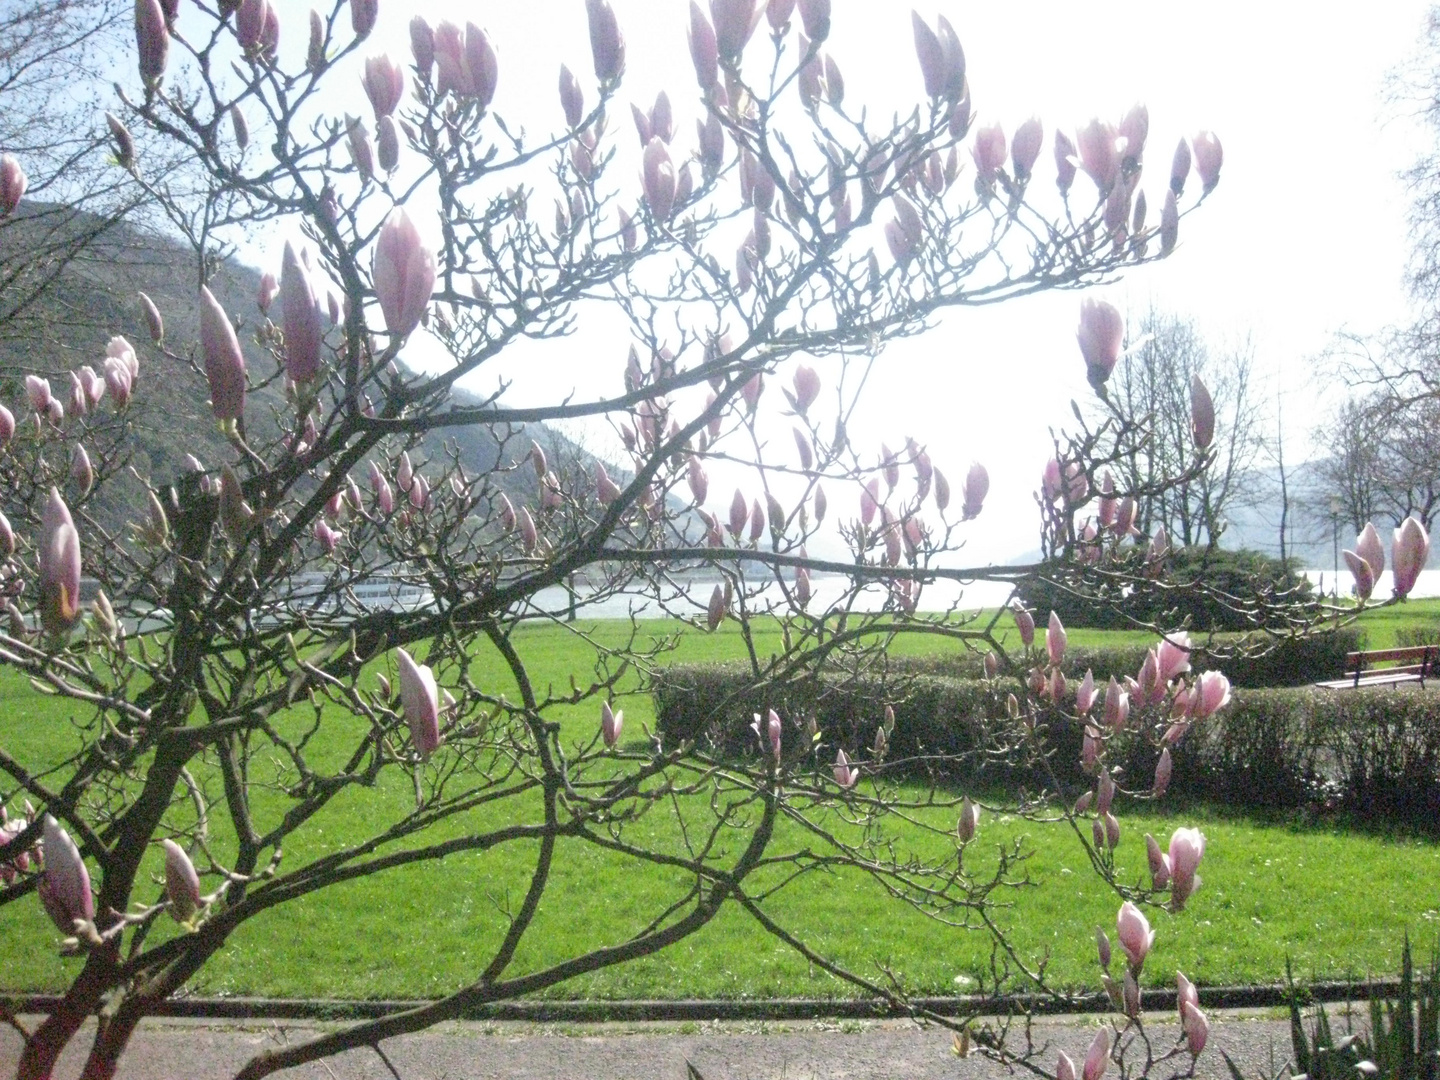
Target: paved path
{"type": "Point", "coordinates": [874, 1050]}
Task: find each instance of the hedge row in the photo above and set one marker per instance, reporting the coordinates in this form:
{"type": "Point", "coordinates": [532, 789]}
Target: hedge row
{"type": "Point", "coordinates": [1374, 753]}
{"type": "Point", "coordinates": [1289, 662]}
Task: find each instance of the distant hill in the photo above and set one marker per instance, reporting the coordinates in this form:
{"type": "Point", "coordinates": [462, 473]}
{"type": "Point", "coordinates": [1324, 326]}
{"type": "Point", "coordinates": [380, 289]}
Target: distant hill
{"type": "Point", "coordinates": [94, 298]}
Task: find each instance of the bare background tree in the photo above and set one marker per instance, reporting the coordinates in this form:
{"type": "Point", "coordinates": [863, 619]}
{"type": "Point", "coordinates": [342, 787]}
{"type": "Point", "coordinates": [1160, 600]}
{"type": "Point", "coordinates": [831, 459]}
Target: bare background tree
{"type": "Point", "coordinates": [1153, 379]}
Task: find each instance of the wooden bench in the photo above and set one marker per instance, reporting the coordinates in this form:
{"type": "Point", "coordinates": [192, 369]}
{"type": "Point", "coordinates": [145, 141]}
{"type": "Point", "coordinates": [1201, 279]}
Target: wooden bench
{"type": "Point", "coordinates": [1412, 664]}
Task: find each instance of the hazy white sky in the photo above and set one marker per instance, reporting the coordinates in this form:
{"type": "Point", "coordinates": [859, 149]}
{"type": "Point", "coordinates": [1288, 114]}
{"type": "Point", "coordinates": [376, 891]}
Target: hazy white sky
{"type": "Point", "coordinates": [1305, 235]}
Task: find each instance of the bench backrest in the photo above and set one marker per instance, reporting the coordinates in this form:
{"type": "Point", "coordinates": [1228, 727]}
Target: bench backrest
{"type": "Point", "coordinates": [1426, 655]}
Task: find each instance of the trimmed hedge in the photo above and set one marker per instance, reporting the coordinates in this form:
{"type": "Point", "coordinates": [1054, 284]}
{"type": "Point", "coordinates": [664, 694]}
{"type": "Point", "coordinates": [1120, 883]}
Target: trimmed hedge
{"type": "Point", "coordinates": [1093, 602]}
{"type": "Point", "coordinates": [1289, 662]}
{"type": "Point", "coordinates": [1374, 753]}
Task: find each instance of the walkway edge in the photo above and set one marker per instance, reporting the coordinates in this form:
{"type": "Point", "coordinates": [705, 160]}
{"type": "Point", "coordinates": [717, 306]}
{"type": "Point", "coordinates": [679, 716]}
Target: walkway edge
{"type": "Point", "coordinates": [571, 1011]}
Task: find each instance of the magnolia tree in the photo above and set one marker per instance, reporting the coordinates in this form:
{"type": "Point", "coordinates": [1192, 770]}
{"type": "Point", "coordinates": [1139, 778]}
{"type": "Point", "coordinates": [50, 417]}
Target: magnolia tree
{"type": "Point", "coordinates": [228, 688]}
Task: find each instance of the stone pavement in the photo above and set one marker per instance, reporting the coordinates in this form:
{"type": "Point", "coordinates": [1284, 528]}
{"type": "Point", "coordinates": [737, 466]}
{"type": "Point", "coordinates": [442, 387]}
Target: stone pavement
{"type": "Point", "coordinates": [801, 1050]}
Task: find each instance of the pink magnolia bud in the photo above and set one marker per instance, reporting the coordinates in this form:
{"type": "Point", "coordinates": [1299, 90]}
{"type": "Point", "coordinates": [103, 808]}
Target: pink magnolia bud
{"type": "Point", "coordinates": [757, 521]}
{"type": "Point", "coordinates": [1117, 706]}
{"type": "Point", "coordinates": [1125, 517]}
{"type": "Point", "coordinates": [770, 734]}
{"type": "Point", "coordinates": [38, 391]}
{"type": "Point", "coordinates": [1187, 847]}
{"type": "Point", "coordinates": [992, 665]}
{"type": "Point", "coordinates": [889, 467]}
{"type": "Point", "coordinates": [12, 184]}
{"type": "Point", "coordinates": [1202, 414]}
{"type": "Point", "coordinates": [1097, 1057]}
{"type": "Point", "coordinates": [422, 46]}
{"type": "Point", "coordinates": [735, 22]}
{"type": "Point", "coordinates": [182, 883]}
{"type": "Point", "coordinates": [1085, 695]}
{"type": "Point", "coordinates": [907, 232]}
{"type": "Point", "coordinates": [384, 84]}
{"type": "Point", "coordinates": [942, 490]}
{"type": "Point", "coordinates": [715, 612]}
{"type": "Point", "coordinates": [7, 538]}
{"type": "Point", "coordinates": [300, 315]}
{"type": "Point", "coordinates": [1179, 168]}
{"type": "Point", "coordinates": [869, 501]}
{"type": "Point", "coordinates": [1112, 830]}
{"type": "Point", "coordinates": [65, 887]}
{"type": "Point", "coordinates": [420, 703]}
{"type": "Point", "coordinates": [989, 151]}
{"type": "Point", "coordinates": [1055, 639]}
{"type": "Point", "coordinates": [977, 486]}
{"type": "Point", "coordinates": [82, 473]}
{"type": "Point", "coordinates": [1102, 946]}
{"type": "Point", "coordinates": [1208, 158]}
{"type": "Point", "coordinates": [572, 98]}
{"type": "Point", "coordinates": [363, 14]}
{"type": "Point", "coordinates": [1212, 693]}
{"type": "Point", "coordinates": [1025, 147]}
{"type": "Point", "coordinates": [1097, 833]}
{"type": "Point", "coordinates": [1065, 1068]}
{"type": "Point", "coordinates": [1169, 224]}
{"type": "Point", "coordinates": [325, 536]}
{"type": "Point", "coordinates": [59, 559]}
{"type": "Point", "coordinates": [1104, 793]}
{"type": "Point", "coordinates": [969, 820]}
{"type": "Point", "coordinates": [802, 446]}
{"type": "Point", "coordinates": [1185, 993]}
{"type": "Point", "coordinates": [1025, 623]}
{"type": "Point", "coordinates": [224, 362]}
{"type": "Point", "coordinates": [482, 65]}
{"type": "Point", "coordinates": [1364, 577]}
{"type": "Point", "coordinates": [1136, 937]}
{"type": "Point", "coordinates": [1099, 156]}
{"type": "Point", "coordinates": [1050, 484]}
{"type": "Point", "coordinates": [739, 514]}
{"type": "Point", "coordinates": [807, 388]}
{"type": "Point", "coordinates": [1065, 158]}
{"type": "Point", "coordinates": [820, 504]}
{"type": "Point", "coordinates": [265, 295]}
{"type": "Point", "coordinates": [845, 774]}
{"type": "Point", "coordinates": [942, 62]}
{"type": "Point", "coordinates": [1130, 996]}
{"type": "Point", "coordinates": [362, 153]}
{"type": "Point", "coordinates": [1101, 333]}
{"type": "Point", "coordinates": [1056, 690]}
{"type": "Point", "coordinates": [387, 153]}
{"type": "Point", "coordinates": [403, 271]}
{"type": "Point", "coordinates": [1084, 802]}
{"type": "Point", "coordinates": [802, 586]}
{"type": "Point", "coordinates": [1172, 656]}
{"type": "Point", "coordinates": [607, 44]}
{"type": "Point", "coordinates": [506, 513]}
{"type": "Point", "coordinates": [1197, 1028]}
{"type": "Point", "coordinates": [658, 179]}
{"type": "Point", "coordinates": [1159, 545]}
{"type": "Point", "coordinates": [606, 490]}
{"type": "Point", "coordinates": [1408, 555]}
{"type": "Point", "coordinates": [778, 12]}
{"type": "Point", "coordinates": [1163, 769]}
{"type": "Point", "coordinates": [815, 19]}
{"type": "Point", "coordinates": [1159, 863]}
{"type": "Point", "coordinates": [152, 39]}
{"type": "Point", "coordinates": [611, 723]}
{"type": "Point", "coordinates": [529, 536]}
{"type": "Point", "coordinates": [1369, 548]}
{"type": "Point", "coordinates": [452, 73]}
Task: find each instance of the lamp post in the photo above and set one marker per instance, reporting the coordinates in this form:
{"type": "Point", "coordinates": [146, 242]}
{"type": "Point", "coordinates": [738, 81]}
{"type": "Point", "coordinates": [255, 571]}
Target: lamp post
{"type": "Point", "coordinates": [1335, 540]}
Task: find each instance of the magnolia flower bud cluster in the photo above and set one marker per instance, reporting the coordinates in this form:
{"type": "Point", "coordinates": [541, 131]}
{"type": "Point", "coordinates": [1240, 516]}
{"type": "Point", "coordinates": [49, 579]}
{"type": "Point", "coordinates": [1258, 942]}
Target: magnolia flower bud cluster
{"type": "Point", "coordinates": [1136, 939]}
{"type": "Point", "coordinates": [1176, 868]}
{"type": "Point", "coordinates": [1409, 552]}
{"type": "Point", "coordinates": [1113, 156]}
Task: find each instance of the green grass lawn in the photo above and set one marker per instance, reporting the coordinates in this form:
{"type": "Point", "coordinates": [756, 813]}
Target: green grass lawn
{"type": "Point", "coordinates": [1337, 902]}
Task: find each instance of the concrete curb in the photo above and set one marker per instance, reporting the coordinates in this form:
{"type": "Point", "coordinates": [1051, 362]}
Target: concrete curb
{"type": "Point", "coordinates": [561, 1011]}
